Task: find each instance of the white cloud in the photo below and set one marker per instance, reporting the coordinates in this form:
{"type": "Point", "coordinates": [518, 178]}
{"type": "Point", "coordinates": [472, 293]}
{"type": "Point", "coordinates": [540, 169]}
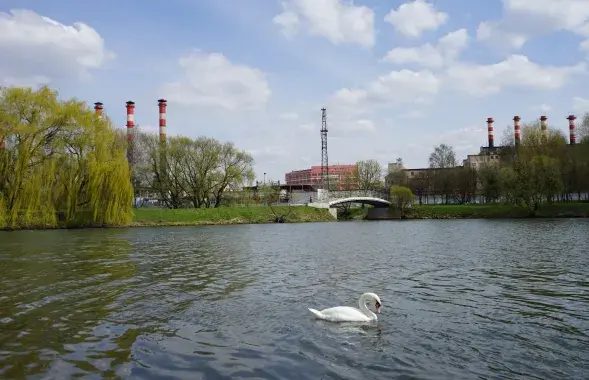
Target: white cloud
{"type": "Point", "coordinates": [494, 33]}
{"type": "Point", "coordinates": [340, 21]}
{"type": "Point", "coordinates": [412, 114]}
{"type": "Point", "coordinates": [289, 116]}
{"type": "Point", "coordinates": [341, 124]}
{"type": "Point", "coordinates": [515, 71]}
{"type": "Point", "coordinates": [446, 51]}
{"type": "Point", "coordinates": [358, 125]}
{"type": "Point", "coordinates": [394, 88]}
{"type": "Point", "coordinates": [542, 108]}
{"type": "Point", "coordinates": [584, 46]}
{"type": "Point", "coordinates": [289, 21]}
{"type": "Point", "coordinates": [271, 151]}
{"type": "Point", "coordinates": [464, 141]}
{"type": "Point", "coordinates": [413, 18]}
{"type": "Point", "coordinates": [580, 104]}
{"type": "Point", "coordinates": [524, 19]}
{"type": "Point", "coordinates": [211, 80]}
{"type": "Point", "coordinates": [38, 50]}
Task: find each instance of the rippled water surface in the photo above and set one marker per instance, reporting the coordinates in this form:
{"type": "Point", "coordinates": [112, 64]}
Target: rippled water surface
{"type": "Point", "coordinates": [461, 300]}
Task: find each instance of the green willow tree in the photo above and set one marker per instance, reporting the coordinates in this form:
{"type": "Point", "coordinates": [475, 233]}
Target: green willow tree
{"type": "Point", "coordinates": [62, 166]}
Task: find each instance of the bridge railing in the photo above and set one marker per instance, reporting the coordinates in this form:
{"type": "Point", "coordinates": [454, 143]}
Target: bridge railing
{"type": "Point", "coordinates": [304, 198]}
{"type": "Point", "coordinates": [333, 195]}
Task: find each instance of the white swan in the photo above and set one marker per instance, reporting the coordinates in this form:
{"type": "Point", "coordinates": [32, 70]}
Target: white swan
{"type": "Point", "coordinates": [351, 314]}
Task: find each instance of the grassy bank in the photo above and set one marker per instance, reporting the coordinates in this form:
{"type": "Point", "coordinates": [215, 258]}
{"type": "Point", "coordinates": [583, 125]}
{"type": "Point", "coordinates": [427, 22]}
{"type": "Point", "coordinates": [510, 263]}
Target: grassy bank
{"type": "Point", "coordinates": [145, 217]}
{"type": "Point", "coordinates": [227, 215]}
{"type": "Point", "coordinates": [556, 210]}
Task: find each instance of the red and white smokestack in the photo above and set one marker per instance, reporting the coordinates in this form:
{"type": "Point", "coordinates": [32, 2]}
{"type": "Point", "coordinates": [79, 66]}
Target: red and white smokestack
{"type": "Point", "coordinates": [572, 135]}
{"type": "Point", "coordinates": [516, 130]}
{"type": "Point", "coordinates": [130, 120]}
{"type": "Point", "coordinates": [98, 109]}
{"type": "Point", "coordinates": [490, 129]}
{"type": "Point", "coordinates": [544, 127]}
{"type": "Point", "coordinates": [162, 105]}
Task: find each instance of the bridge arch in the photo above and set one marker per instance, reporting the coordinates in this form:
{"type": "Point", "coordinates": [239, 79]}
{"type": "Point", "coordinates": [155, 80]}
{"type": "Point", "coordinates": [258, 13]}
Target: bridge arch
{"type": "Point", "coordinates": [372, 201]}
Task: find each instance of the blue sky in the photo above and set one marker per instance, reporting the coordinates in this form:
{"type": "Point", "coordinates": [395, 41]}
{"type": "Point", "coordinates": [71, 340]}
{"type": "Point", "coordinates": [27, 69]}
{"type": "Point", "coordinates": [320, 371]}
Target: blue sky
{"type": "Point", "coordinates": [240, 71]}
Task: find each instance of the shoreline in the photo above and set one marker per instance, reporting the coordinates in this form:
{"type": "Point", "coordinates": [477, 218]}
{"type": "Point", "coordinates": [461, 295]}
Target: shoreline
{"type": "Point", "coordinates": [157, 217]}
{"type": "Point", "coordinates": [573, 210]}
{"type": "Point", "coordinates": [223, 216]}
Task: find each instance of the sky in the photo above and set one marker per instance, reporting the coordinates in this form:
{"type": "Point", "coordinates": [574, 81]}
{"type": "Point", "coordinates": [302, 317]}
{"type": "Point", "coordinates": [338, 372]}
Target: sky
{"type": "Point", "coordinates": [397, 77]}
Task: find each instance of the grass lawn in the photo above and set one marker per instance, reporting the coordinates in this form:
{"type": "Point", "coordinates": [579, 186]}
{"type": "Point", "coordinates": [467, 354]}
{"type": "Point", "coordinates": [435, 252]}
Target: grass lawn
{"type": "Point", "coordinates": [226, 215]}
{"type": "Point", "coordinates": [479, 211]}
{"type": "Point", "coordinates": [499, 211]}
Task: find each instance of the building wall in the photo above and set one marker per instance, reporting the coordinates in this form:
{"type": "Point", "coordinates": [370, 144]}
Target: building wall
{"type": "Point", "coordinates": [337, 175]}
{"type": "Point", "coordinates": [298, 177]}
{"type": "Point", "coordinates": [486, 156]}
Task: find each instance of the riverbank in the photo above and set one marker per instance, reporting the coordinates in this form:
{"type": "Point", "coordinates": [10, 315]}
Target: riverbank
{"type": "Point", "coordinates": [152, 217]}
{"type": "Point", "coordinates": [145, 217]}
{"type": "Point", "coordinates": [493, 211]}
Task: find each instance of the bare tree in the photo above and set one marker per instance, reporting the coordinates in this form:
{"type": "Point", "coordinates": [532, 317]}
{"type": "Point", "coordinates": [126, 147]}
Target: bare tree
{"type": "Point", "coordinates": [202, 160]}
{"type": "Point", "coordinates": [270, 195]}
{"type": "Point", "coordinates": [369, 175]}
{"type": "Point", "coordinates": [442, 159]}
{"type": "Point", "coordinates": [583, 129]}
{"type": "Point", "coordinates": [235, 168]}
{"type": "Point", "coordinates": [183, 170]}
{"type": "Point", "coordinates": [443, 156]}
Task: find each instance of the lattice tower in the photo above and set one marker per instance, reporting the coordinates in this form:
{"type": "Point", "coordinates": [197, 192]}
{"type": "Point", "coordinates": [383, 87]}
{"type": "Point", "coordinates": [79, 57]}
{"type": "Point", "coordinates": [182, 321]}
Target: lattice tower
{"type": "Point", "coordinates": [324, 156]}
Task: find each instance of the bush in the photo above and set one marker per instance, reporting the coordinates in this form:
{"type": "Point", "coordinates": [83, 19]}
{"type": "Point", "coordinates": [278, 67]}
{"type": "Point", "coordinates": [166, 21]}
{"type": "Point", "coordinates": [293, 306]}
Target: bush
{"type": "Point", "coordinates": [401, 199]}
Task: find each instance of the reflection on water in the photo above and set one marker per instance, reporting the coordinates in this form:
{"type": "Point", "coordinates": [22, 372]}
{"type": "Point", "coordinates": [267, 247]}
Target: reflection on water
{"type": "Point", "coordinates": [461, 300]}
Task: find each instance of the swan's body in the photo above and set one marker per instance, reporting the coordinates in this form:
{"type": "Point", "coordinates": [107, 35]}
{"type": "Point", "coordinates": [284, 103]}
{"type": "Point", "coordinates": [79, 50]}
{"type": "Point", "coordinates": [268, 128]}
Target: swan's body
{"type": "Point", "coordinates": [351, 314]}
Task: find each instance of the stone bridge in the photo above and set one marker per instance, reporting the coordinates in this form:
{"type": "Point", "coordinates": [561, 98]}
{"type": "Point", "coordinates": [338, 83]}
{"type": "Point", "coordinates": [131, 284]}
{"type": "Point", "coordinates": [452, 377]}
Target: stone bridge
{"type": "Point", "coordinates": [335, 199]}
{"type": "Point", "coordinates": [372, 201]}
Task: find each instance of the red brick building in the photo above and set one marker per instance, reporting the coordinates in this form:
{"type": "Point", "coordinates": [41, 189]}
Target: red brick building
{"type": "Point", "coordinates": [338, 175]}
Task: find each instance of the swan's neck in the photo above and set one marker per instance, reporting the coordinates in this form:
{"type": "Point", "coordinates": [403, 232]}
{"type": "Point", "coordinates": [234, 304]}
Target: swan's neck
{"type": "Point", "coordinates": [365, 309]}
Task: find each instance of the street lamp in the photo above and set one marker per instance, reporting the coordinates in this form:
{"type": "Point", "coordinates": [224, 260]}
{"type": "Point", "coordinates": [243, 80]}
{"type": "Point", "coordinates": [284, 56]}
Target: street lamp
{"type": "Point", "coordinates": [264, 178]}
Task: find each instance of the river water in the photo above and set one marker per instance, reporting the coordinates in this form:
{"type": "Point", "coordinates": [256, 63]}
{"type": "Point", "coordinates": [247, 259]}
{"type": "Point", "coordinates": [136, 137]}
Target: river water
{"type": "Point", "coordinates": [461, 300]}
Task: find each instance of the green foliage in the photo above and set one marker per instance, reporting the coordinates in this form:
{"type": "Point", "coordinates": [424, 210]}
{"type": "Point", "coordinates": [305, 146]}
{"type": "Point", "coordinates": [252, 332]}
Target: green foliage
{"type": "Point", "coordinates": [62, 166]}
{"type": "Point", "coordinates": [507, 211]}
{"type": "Point", "coordinates": [269, 194]}
{"type": "Point", "coordinates": [401, 199]}
{"type": "Point", "coordinates": [541, 170]}
{"type": "Point", "coordinates": [490, 182]}
{"type": "Point", "coordinates": [187, 172]}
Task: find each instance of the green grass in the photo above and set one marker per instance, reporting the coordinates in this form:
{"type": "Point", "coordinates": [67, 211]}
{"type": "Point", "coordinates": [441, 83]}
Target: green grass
{"type": "Point", "coordinates": [226, 215]}
{"type": "Point", "coordinates": [478, 211]}
{"type": "Point", "coordinates": [354, 213]}
{"type": "Point", "coordinates": [497, 211]}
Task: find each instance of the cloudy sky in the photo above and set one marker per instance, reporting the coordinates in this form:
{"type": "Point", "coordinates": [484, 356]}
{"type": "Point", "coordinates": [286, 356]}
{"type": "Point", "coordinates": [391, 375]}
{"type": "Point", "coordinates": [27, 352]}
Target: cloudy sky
{"type": "Point", "coordinates": [397, 78]}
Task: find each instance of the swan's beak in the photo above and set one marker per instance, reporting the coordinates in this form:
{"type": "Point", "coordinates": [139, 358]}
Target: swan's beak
{"type": "Point", "coordinates": [378, 305]}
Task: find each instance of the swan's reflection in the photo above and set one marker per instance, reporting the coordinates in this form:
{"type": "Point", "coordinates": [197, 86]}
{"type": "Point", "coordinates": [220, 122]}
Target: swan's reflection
{"type": "Point", "coordinates": [365, 334]}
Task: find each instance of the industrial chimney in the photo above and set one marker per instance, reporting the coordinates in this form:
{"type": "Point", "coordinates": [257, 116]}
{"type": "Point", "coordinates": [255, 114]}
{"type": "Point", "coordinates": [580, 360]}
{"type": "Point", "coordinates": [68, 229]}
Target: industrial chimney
{"type": "Point", "coordinates": [544, 127]}
{"type": "Point", "coordinates": [572, 135]}
{"type": "Point", "coordinates": [490, 122]}
{"type": "Point", "coordinates": [130, 120]}
{"type": "Point", "coordinates": [98, 109]}
{"type": "Point", "coordinates": [516, 130]}
{"type": "Point", "coordinates": [162, 106]}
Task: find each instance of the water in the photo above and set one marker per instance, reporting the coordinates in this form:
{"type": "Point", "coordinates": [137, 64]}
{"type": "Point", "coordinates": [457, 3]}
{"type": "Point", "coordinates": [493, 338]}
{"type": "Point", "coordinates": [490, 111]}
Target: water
{"type": "Point", "coordinates": [461, 300]}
